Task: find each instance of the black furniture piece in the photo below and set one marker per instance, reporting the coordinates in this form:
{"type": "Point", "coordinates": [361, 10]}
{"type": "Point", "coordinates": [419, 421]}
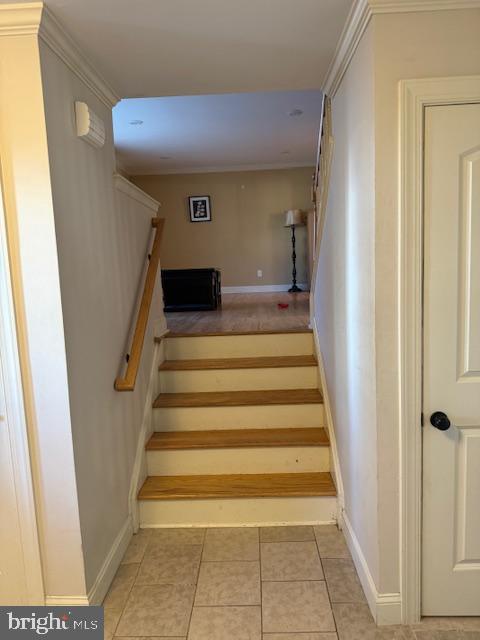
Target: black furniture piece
{"type": "Point", "coordinates": [191, 289]}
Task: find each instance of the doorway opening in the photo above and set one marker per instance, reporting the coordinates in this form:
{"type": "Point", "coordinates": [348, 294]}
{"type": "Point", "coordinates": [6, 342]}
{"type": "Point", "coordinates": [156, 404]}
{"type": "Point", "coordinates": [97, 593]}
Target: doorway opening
{"type": "Point", "coordinates": [233, 173]}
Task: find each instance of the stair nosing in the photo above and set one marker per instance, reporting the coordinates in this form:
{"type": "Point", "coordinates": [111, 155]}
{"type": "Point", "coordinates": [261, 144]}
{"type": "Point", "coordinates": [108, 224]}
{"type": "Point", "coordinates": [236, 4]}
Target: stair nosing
{"type": "Point", "coordinates": [210, 334]}
{"type": "Point", "coordinates": [201, 398]}
{"type": "Point", "coordinates": [262, 362]}
{"type": "Point", "coordinates": [197, 445]}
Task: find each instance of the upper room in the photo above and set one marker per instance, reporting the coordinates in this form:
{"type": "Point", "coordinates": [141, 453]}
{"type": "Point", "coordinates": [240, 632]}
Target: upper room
{"type": "Point", "coordinates": [251, 156]}
{"type": "Point", "coordinates": [215, 91]}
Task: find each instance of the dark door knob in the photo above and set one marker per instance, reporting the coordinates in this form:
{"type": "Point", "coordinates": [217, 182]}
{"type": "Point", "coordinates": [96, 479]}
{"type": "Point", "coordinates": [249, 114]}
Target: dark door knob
{"type": "Point", "coordinates": [440, 420]}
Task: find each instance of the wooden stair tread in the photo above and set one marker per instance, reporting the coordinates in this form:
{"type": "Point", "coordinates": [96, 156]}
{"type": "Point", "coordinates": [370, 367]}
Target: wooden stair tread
{"type": "Point", "coordinates": [267, 362]}
{"type": "Point", "coordinates": [230, 438]}
{"type": "Point", "coordinates": [237, 486]}
{"type": "Point", "coordinates": [238, 398]}
{"type": "Point", "coordinates": [266, 332]}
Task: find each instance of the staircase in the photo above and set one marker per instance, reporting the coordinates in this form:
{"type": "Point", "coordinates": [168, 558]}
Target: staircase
{"type": "Point", "coordinates": [239, 433]}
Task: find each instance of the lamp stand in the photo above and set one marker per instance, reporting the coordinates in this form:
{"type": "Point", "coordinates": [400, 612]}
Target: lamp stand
{"type": "Point", "coordinates": [294, 288]}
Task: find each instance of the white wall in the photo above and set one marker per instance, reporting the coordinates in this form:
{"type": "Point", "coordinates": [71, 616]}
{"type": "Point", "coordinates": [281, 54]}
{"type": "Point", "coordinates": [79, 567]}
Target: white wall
{"type": "Point", "coordinates": [77, 249]}
{"type": "Point", "coordinates": [345, 297]}
{"type": "Point", "coordinates": [407, 45]}
{"type": "Point", "coordinates": [36, 289]}
{"type": "Point", "coordinates": [357, 286]}
{"type": "Point", "coordinates": [102, 239]}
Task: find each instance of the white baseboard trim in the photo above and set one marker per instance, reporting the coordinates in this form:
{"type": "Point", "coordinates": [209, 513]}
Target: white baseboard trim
{"type": "Point", "coordinates": [213, 525]}
{"type": "Point", "coordinates": [109, 568]}
{"type": "Point", "coordinates": [66, 601]}
{"type": "Point", "coordinates": [335, 467]}
{"type": "Point", "coordinates": [139, 471]}
{"type": "Point", "coordinates": [386, 608]}
{"type": "Point", "coordinates": [263, 288]}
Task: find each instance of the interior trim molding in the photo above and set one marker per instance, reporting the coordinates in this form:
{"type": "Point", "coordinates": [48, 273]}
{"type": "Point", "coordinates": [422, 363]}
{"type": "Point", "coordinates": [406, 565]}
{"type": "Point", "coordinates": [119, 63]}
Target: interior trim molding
{"type": "Point", "coordinates": [20, 19]}
{"type": "Point", "coordinates": [66, 601]}
{"type": "Point", "coordinates": [112, 561]}
{"type": "Point", "coordinates": [34, 18]}
{"type": "Point", "coordinates": [386, 608]}
{"type": "Point", "coordinates": [132, 191]}
{"type": "Point", "coordinates": [336, 471]}
{"type": "Point", "coordinates": [406, 6]}
{"type": "Point", "coordinates": [139, 471]}
{"type": "Point", "coordinates": [264, 288]}
{"type": "Point", "coordinates": [248, 525]}
{"type": "Point", "coordinates": [358, 20]}
{"type": "Point", "coordinates": [105, 576]}
{"type": "Point", "coordinates": [61, 43]}
{"type": "Point", "coordinates": [16, 425]}
{"type": "Point", "coordinates": [228, 168]}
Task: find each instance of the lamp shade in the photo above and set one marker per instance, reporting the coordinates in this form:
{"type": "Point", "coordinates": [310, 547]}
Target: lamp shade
{"type": "Point", "coordinates": [293, 218]}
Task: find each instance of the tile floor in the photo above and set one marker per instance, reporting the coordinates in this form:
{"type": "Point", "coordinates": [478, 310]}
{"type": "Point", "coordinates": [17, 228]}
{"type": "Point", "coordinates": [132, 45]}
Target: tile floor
{"type": "Point", "coordinates": [272, 583]}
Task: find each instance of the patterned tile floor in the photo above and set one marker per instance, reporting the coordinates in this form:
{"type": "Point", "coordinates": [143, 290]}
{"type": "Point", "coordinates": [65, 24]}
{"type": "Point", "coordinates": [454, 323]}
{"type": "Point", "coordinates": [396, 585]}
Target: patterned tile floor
{"type": "Point", "coordinates": [272, 583]}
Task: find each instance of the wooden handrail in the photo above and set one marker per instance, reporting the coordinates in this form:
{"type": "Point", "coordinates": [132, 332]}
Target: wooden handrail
{"type": "Point", "coordinates": [128, 382]}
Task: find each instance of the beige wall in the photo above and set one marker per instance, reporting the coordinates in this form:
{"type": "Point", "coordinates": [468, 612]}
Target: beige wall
{"type": "Point", "coordinates": [246, 232]}
{"type": "Point", "coordinates": [345, 296]}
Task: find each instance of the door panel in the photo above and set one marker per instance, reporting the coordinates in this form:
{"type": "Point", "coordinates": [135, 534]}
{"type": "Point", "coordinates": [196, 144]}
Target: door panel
{"type": "Point", "coordinates": [451, 458]}
{"type": "Point", "coordinates": [467, 514]}
{"type": "Point", "coordinates": [469, 302]}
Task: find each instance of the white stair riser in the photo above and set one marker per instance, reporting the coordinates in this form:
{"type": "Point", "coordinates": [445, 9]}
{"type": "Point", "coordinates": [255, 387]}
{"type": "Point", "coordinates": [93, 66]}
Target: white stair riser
{"type": "Point", "coordinates": [239, 460]}
{"type": "Point", "coordinates": [249, 417]}
{"type": "Point", "coordinates": [239, 379]}
{"type": "Point", "coordinates": [244, 346]}
{"type": "Point", "coordinates": [238, 512]}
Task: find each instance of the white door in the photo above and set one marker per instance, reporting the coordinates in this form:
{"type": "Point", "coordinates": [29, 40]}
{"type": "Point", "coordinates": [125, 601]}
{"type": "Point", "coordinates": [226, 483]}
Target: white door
{"type": "Point", "coordinates": [451, 457]}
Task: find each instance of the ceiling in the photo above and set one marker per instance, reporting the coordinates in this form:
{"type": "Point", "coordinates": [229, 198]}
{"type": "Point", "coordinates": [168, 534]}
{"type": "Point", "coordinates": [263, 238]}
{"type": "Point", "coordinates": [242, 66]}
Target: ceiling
{"type": "Point", "coordinates": [217, 132]}
{"type": "Point", "coordinates": [262, 57]}
{"type": "Point", "coordinates": [180, 47]}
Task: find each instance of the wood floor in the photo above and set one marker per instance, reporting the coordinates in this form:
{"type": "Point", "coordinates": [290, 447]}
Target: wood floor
{"type": "Point", "coordinates": [243, 312]}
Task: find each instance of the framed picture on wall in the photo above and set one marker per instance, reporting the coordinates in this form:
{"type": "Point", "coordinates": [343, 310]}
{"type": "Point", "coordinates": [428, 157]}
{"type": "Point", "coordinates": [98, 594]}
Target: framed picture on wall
{"type": "Point", "coordinates": [200, 209]}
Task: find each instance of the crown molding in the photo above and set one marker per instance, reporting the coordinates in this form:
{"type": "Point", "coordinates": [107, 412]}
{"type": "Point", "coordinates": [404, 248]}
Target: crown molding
{"type": "Point", "coordinates": [226, 168]}
{"type": "Point", "coordinates": [358, 20]}
{"type": "Point", "coordinates": [20, 19]}
{"type": "Point", "coordinates": [132, 191]}
{"type": "Point", "coordinates": [34, 18]}
{"type": "Point", "coordinates": [405, 6]}
{"type": "Point", "coordinates": [57, 38]}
